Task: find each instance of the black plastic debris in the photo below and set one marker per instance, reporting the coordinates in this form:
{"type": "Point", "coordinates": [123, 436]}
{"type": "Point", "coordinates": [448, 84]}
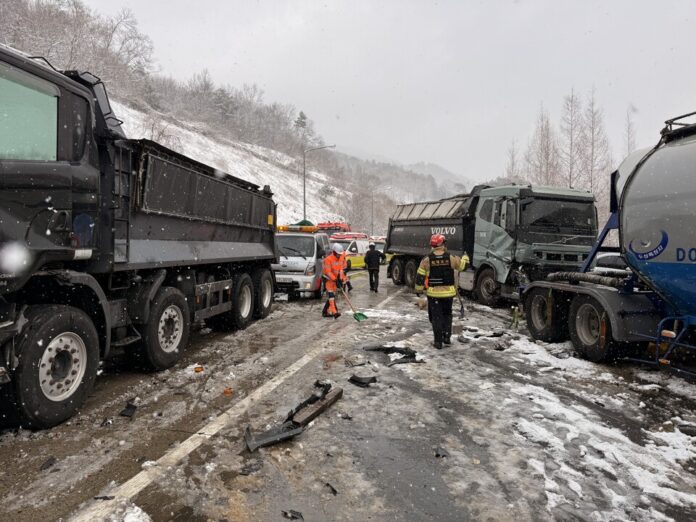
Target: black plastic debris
{"type": "Point", "coordinates": [332, 489]}
{"type": "Point", "coordinates": [409, 355]}
{"type": "Point", "coordinates": [687, 429]}
{"type": "Point", "coordinates": [251, 468]}
{"type": "Point", "coordinates": [441, 453]}
{"type": "Point", "coordinates": [104, 497]}
{"type": "Point", "coordinates": [129, 410]}
{"type": "Point", "coordinates": [363, 382]}
{"type": "Point", "coordinates": [291, 514]}
{"type": "Point", "coordinates": [49, 462]}
{"type": "Point", "coordinates": [108, 421]}
{"type": "Point", "coordinates": [285, 431]}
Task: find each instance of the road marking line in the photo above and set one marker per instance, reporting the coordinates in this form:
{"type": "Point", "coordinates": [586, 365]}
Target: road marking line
{"type": "Point", "coordinates": [136, 484]}
{"type": "Point", "coordinates": [388, 299]}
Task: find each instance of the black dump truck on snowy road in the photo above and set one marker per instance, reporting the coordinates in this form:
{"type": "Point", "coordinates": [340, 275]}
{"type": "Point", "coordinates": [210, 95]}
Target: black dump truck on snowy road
{"type": "Point", "coordinates": [108, 242]}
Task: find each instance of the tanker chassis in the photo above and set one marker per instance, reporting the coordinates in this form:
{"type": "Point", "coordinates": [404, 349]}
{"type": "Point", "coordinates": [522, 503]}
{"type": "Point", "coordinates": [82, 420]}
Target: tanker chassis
{"type": "Point", "coordinates": [651, 300]}
{"type": "Point", "coordinates": [108, 242]}
{"type": "Point", "coordinates": [512, 234]}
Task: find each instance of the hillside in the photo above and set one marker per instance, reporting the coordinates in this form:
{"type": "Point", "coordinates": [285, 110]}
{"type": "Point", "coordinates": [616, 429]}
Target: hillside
{"type": "Point", "coordinates": [250, 162]}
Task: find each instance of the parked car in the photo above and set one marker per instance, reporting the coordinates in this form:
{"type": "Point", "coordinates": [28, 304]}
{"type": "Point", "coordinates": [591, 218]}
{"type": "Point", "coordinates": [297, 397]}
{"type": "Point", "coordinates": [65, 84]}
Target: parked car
{"type": "Point", "coordinates": [355, 252]}
{"type": "Point", "coordinates": [299, 267]}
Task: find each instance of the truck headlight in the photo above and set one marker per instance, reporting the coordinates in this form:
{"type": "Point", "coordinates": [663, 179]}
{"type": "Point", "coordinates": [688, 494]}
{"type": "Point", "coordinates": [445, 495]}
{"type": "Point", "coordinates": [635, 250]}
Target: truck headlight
{"type": "Point", "coordinates": [310, 270]}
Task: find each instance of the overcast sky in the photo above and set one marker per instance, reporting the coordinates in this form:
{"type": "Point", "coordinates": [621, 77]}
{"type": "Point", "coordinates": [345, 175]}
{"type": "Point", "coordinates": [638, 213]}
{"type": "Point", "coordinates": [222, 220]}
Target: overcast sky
{"type": "Point", "coordinates": [449, 82]}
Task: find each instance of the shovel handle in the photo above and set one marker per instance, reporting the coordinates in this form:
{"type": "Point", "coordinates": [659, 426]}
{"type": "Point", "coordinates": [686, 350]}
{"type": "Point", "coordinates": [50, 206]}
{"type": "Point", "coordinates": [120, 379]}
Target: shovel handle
{"type": "Point", "coordinates": [345, 294]}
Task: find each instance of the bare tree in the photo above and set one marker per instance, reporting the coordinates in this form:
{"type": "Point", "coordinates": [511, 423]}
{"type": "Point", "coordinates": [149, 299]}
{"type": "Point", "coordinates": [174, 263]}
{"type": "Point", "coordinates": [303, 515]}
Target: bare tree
{"type": "Point", "coordinates": [541, 158]}
{"type": "Point", "coordinates": [630, 130]}
{"type": "Point", "coordinates": [596, 160]}
{"type": "Point", "coordinates": [513, 168]}
{"type": "Point", "coordinates": [570, 141]}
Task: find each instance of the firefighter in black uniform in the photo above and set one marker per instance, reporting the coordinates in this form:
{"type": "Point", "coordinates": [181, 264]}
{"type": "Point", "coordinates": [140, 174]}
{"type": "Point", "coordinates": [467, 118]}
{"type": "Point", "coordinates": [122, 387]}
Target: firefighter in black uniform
{"type": "Point", "coordinates": [436, 274]}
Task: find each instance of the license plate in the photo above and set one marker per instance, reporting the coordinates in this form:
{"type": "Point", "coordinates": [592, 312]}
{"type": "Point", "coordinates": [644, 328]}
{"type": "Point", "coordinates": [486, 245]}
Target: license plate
{"type": "Point", "coordinates": [284, 279]}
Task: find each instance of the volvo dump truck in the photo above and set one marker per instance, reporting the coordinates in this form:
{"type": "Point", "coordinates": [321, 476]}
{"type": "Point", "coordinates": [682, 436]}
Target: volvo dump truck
{"type": "Point", "coordinates": [110, 242]}
{"type": "Point", "coordinates": [512, 235]}
{"type": "Point", "coordinates": [652, 298]}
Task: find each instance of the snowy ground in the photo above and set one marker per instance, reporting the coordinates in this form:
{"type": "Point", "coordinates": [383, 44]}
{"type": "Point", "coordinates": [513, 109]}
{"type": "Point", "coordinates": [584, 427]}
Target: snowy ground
{"type": "Point", "coordinates": [530, 432]}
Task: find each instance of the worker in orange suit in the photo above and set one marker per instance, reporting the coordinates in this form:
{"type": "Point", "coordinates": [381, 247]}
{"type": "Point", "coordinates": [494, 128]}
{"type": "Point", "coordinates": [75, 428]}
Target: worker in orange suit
{"type": "Point", "coordinates": [334, 278]}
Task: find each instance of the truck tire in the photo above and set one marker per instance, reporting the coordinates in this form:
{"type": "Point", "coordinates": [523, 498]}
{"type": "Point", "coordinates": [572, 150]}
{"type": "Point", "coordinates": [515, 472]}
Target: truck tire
{"type": "Point", "coordinates": [536, 309]}
{"type": "Point", "coordinates": [242, 306]}
{"type": "Point", "coordinates": [487, 289]}
{"type": "Point", "coordinates": [58, 357]}
{"type": "Point", "coordinates": [397, 272]}
{"type": "Point", "coordinates": [585, 320]}
{"type": "Point", "coordinates": [410, 273]}
{"type": "Point", "coordinates": [263, 292]}
{"type": "Point", "coordinates": [166, 334]}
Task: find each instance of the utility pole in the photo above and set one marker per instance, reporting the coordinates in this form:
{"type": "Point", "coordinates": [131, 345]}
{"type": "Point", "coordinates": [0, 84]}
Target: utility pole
{"type": "Point", "coordinates": [304, 177]}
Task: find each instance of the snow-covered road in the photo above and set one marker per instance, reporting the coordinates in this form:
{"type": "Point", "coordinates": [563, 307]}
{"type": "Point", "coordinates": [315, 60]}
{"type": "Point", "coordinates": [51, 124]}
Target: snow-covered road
{"type": "Point", "coordinates": [529, 431]}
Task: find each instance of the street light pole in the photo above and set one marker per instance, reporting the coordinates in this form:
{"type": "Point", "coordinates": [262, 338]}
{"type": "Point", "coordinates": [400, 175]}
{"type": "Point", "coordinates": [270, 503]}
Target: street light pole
{"type": "Point", "coordinates": [304, 177]}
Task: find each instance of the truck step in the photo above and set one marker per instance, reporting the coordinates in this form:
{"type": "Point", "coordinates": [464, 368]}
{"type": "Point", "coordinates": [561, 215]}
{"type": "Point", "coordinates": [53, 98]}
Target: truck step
{"type": "Point", "coordinates": [125, 341]}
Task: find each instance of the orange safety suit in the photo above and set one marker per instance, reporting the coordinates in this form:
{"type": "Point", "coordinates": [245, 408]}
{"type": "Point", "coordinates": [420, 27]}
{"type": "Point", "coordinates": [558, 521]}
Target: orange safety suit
{"type": "Point", "coordinates": [333, 275]}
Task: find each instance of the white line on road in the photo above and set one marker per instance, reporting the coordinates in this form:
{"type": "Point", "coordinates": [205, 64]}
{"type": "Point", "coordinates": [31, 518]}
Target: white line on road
{"type": "Point", "coordinates": [129, 489]}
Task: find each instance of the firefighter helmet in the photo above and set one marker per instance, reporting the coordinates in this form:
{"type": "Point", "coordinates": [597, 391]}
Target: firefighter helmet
{"type": "Point", "coordinates": [437, 240]}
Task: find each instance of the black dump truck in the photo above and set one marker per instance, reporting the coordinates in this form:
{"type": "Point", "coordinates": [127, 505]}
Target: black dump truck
{"type": "Point", "coordinates": [109, 242]}
{"type": "Point", "coordinates": [512, 234]}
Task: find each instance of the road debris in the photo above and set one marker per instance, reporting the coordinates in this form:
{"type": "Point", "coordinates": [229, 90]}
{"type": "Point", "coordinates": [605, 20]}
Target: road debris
{"type": "Point", "coordinates": [291, 514]}
{"type": "Point", "coordinates": [363, 382]}
{"type": "Point", "coordinates": [228, 392]}
{"type": "Point", "coordinates": [441, 453]}
{"type": "Point", "coordinates": [355, 360]}
{"type": "Point", "coordinates": [108, 421]}
{"type": "Point", "coordinates": [332, 489]}
{"type": "Point", "coordinates": [48, 463]}
{"type": "Point", "coordinates": [104, 497]}
{"type": "Point", "coordinates": [297, 419]}
{"type": "Point", "coordinates": [129, 410]}
{"type": "Point", "coordinates": [344, 416]}
{"type": "Point", "coordinates": [409, 355]}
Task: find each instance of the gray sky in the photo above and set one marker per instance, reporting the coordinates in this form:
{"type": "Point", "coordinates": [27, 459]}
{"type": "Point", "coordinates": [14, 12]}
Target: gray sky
{"type": "Point", "coordinates": [449, 82]}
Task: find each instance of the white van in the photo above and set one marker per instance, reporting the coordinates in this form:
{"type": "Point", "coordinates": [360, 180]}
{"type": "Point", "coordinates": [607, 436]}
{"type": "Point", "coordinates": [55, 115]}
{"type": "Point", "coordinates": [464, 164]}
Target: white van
{"type": "Point", "coordinates": [300, 262]}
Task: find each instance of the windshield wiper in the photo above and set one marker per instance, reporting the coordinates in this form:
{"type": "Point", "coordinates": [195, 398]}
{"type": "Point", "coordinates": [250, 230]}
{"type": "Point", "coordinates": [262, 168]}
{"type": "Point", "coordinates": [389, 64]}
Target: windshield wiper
{"type": "Point", "coordinates": [296, 251]}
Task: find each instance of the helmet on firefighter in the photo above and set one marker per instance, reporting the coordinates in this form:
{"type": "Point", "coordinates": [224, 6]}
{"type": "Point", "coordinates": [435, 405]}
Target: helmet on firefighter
{"type": "Point", "coordinates": [337, 248]}
{"type": "Point", "coordinates": [437, 240]}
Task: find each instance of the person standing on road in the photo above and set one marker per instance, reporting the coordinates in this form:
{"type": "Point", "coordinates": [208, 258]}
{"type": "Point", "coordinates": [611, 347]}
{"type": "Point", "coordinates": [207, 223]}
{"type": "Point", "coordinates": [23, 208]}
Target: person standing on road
{"type": "Point", "coordinates": [373, 258]}
{"type": "Point", "coordinates": [334, 278]}
{"type": "Point", "coordinates": [436, 274]}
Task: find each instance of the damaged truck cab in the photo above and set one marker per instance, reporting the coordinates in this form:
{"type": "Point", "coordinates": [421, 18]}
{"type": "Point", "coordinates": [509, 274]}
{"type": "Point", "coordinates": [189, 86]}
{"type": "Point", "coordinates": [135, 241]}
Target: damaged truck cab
{"type": "Point", "coordinates": [108, 242]}
{"type": "Point", "coordinates": [512, 234]}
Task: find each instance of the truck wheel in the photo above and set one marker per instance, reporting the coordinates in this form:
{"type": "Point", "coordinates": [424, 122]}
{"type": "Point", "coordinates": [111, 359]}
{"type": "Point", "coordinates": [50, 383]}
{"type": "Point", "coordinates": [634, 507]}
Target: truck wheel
{"type": "Point", "coordinates": [590, 329]}
{"type": "Point", "coordinates": [58, 356]}
{"type": "Point", "coordinates": [536, 308]}
{"type": "Point", "coordinates": [263, 292]}
{"type": "Point", "coordinates": [486, 290]}
{"type": "Point", "coordinates": [397, 272]}
{"type": "Point", "coordinates": [242, 306]}
{"type": "Point", "coordinates": [410, 273]}
{"type": "Point", "coordinates": [166, 333]}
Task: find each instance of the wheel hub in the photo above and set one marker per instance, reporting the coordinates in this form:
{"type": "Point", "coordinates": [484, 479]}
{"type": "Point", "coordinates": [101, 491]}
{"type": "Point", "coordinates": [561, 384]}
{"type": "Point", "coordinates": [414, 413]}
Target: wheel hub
{"type": "Point", "coordinates": [170, 328]}
{"type": "Point", "coordinates": [588, 324]}
{"type": "Point", "coordinates": [62, 366]}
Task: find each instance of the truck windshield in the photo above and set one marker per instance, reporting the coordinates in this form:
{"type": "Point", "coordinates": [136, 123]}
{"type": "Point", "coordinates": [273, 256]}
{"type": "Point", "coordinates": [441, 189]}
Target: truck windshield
{"type": "Point", "coordinates": [296, 246]}
{"type": "Point", "coordinates": [558, 215]}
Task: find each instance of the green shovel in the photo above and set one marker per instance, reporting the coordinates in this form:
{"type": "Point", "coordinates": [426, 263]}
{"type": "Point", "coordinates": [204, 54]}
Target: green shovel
{"type": "Point", "coordinates": [358, 316]}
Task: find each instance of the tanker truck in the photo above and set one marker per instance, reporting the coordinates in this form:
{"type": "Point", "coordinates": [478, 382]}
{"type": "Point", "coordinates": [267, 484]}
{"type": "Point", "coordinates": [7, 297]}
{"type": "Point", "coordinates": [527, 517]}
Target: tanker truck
{"type": "Point", "coordinates": [108, 242]}
{"type": "Point", "coordinates": [512, 234]}
{"type": "Point", "coordinates": [652, 298]}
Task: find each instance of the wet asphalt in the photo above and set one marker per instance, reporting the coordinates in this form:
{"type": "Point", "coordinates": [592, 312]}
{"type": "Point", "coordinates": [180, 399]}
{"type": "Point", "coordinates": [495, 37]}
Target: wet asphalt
{"type": "Point", "coordinates": [448, 439]}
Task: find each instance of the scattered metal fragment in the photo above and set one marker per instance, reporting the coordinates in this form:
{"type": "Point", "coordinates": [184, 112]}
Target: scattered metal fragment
{"type": "Point", "coordinates": [104, 497]}
{"type": "Point", "coordinates": [363, 382]}
{"type": "Point", "coordinates": [441, 453]}
{"type": "Point", "coordinates": [292, 514]}
{"type": "Point", "coordinates": [108, 421]}
{"type": "Point", "coordinates": [332, 489]}
{"type": "Point", "coordinates": [251, 468]}
{"type": "Point", "coordinates": [50, 461]}
{"type": "Point", "coordinates": [355, 360]}
{"type": "Point", "coordinates": [311, 411]}
{"type": "Point", "coordinates": [345, 416]}
{"type": "Point", "coordinates": [129, 410]}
